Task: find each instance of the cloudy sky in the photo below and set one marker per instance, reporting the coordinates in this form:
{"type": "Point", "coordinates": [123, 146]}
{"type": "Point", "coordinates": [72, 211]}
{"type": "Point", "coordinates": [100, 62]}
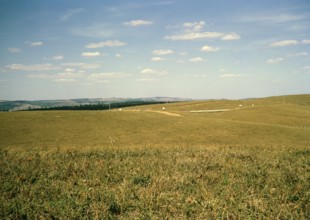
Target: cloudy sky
{"type": "Point", "coordinates": [57, 49]}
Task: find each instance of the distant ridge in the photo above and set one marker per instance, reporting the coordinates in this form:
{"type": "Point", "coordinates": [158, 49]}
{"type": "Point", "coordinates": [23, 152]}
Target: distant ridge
{"type": "Point", "coordinates": [19, 105]}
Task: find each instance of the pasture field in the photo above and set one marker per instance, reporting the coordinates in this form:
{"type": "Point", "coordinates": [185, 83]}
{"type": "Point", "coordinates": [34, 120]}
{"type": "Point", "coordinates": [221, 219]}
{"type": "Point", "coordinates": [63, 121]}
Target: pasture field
{"type": "Point", "coordinates": [144, 163]}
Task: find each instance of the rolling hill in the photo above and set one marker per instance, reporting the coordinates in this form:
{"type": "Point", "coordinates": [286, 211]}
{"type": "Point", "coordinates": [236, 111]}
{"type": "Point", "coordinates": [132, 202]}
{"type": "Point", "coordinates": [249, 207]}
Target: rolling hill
{"type": "Point", "coordinates": [159, 161]}
{"type": "Point", "coordinates": [41, 104]}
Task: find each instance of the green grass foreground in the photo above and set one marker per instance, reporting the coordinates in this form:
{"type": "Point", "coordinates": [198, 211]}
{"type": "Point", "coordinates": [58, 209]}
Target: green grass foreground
{"type": "Point", "coordinates": [249, 163]}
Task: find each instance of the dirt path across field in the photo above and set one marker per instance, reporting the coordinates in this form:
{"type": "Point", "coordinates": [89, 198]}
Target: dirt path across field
{"type": "Point", "coordinates": [165, 113]}
{"type": "Point", "coordinates": [160, 112]}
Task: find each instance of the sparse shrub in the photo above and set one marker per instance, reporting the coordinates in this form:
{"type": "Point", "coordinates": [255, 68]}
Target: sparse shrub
{"type": "Point", "coordinates": [142, 180]}
{"type": "Point", "coordinates": [115, 208]}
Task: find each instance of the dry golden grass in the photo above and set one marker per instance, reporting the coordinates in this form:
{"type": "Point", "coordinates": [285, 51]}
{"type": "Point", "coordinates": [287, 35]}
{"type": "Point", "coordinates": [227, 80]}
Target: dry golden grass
{"type": "Point", "coordinates": [250, 163]}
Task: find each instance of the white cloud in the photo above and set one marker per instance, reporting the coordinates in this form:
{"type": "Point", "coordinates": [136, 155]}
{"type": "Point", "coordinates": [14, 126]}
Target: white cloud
{"type": "Point", "coordinates": [157, 59]}
{"type": "Point", "coordinates": [183, 53]}
{"type": "Point", "coordinates": [35, 67]}
{"type": "Point", "coordinates": [276, 80]}
{"type": "Point", "coordinates": [83, 65]}
{"type": "Point", "coordinates": [109, 43]}
{"type": "Point", "coordinates": [203, 75]}
{"type": "Point", "coordinates": [301, 54]}
{"type": "Point", "coordinates": [227, 74]}
{"type": "Point", "coordinates": [118, 55]}
{"type": "Point", "coordinates": [53, 76]}
{"type": "Point", "coordinates": [69, 70]}
{"type": "Point", "coordinates": [154, 71]}
{"type": "Point", "coordinates": [306, 41]}
{"type": "Point", "coordinates": [194, 36]}
{"type": "Point", "coordinates": [70, 13]}
{"type": "Point", "coordinates": [194, 27]}
{"type": "Point", "coordinates": [209, 49]}
{"type": "Point", "coordinates": [232, 36]}
{"type": "Point", "coordinates": [60, 77]}
{"type": "Point", "coordinates": [71, 75]}
{"type": "Point", "coordinates": [34, 44]}
{"type": "Point", "coordinates": [196, 60]}
{"type": "Point", "coordinates": [193, 31]}
{"type": "Point", "coordinates": [272, 17]}
{"type": "Point", "coordinates": [58, 57]}
{"type": "Point", "coordinates": [64, 80]}
{"type": "Point", "coordinates": [148, 71]}
{"type": "Point", "coordinates": [3, 70]}
{"type": "Point", "coordinates": [106, 77]}
{"type": "Point", "coordinates": [135, 23]}
{"type": "Point", "coordinates": [41, 76]}
{"type": "Point", "coordinates": [162, 52]}
{"type": "Point", "coordinates": [101, 30]}
{"type": "Point", "coordinates": [230, 75]}
{"type": "Point", "coordinates": [275, 60]}
{"type": "Point", "coordinates": [90, 54]}
{"type": "Point", "coordinates": [284, 43]}
{"type": "Point", "coordinates": [146, 80]}
{"type": "Point", "coordinates": [298, 54]}
{"type": "Point", "coordinates": [14, 50]}
{"type": "Point", "coordinates": [306, 67]}
{"type": "Point", "coordinates": [283, 18]}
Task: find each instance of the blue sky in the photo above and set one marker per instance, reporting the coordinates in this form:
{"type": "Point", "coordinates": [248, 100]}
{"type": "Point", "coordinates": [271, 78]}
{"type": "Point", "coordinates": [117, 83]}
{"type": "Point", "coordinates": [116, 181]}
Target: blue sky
{"type": "Point", "coordinates": [179, 48]}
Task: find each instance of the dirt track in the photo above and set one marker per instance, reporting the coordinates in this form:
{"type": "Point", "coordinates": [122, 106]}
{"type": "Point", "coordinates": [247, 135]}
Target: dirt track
{"type": "Point", "coordinates": [160, 112]}
{"type": "Point", "coordinates": [165, 113]}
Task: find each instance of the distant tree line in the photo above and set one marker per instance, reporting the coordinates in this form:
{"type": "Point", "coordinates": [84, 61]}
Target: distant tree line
{"type": "Point", "coordinates": [7, 105]}
{"type": "Point", "coordinates": [99, 106]}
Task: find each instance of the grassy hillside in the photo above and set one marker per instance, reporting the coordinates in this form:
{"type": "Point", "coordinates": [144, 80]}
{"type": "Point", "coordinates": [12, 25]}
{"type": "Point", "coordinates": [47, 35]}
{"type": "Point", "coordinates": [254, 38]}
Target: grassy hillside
{"type": "Point", "coordinates": [268, 122]}
{"type": "Point", "coordinates": [251, 162]}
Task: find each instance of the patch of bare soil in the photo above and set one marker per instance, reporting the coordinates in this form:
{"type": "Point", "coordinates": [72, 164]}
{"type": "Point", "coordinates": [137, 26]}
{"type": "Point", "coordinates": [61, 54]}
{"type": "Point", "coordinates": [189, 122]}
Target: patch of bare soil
{"type": "Point", "coordinates": [165, 113]}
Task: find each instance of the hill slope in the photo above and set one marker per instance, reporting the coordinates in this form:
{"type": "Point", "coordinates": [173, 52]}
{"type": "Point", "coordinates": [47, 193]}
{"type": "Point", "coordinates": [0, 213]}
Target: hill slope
{"type": "Point", "coordinates": [146, 163]}
{"type": "Point", "coordinates": [41, 104]}
{"type": "Point", "coordinates": [268, 122]}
